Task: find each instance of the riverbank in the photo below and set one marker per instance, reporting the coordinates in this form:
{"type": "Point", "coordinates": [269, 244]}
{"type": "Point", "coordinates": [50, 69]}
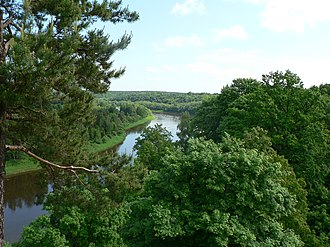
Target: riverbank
{"type": "Point", "coordinates": [116, 140]}
{"type": "Point", "coordinates": [27, 164]}
{"type": "Point", "coordinates": [167, 112]}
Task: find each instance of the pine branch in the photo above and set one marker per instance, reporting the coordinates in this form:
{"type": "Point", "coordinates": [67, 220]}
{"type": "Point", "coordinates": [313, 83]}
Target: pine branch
{"type": "Point", "coordinates": [48, 163]}
{"type": "Point", "coordinates": [8, 22]}
{"type": "Point", "coordinates": [74, 172]}
{"type": "Point", "coordinates": [13, 110]}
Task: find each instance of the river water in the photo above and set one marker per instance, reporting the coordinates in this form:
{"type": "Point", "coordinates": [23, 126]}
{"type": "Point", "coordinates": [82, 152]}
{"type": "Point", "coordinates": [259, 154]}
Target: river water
{"type": "Point", "coordinates": [24, 193]}
{"type": "Point", "coordinates": [170, 122]}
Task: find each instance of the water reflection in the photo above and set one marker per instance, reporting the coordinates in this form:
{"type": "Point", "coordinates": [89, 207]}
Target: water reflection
{"type": "Point", "coordinates": [24, 190]}
{"type": "Point", "coordinates": [127, 146]}
{"type": "Point", "coordinates": [24, 196]}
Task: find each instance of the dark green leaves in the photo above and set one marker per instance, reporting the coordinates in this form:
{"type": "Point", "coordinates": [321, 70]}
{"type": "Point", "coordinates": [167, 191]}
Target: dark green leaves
{"type": "Point", "coordinates": [215, 195]}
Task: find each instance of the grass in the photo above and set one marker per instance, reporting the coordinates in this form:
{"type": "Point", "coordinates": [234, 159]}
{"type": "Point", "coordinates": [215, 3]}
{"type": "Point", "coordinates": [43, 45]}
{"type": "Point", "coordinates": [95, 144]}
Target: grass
{"type": "Point", "coordinates": [158, 111]}
{"type": "Point", "coordinates": [26, 163]}
{"type": "Point", "coordinates": [109, 143]}
{"type": "Point", "coordinates": [116, 140]}
{"type": "Point", "coordinates": [140, 122]}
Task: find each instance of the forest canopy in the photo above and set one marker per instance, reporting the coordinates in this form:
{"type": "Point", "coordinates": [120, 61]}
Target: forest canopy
{"type": "Point", "coordinates": [259, 176]}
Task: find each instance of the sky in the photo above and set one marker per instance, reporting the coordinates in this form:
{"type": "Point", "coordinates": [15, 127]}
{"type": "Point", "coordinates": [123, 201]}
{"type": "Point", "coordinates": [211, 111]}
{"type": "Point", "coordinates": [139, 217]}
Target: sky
{"type": "Point", "coordinates": [202, 45]}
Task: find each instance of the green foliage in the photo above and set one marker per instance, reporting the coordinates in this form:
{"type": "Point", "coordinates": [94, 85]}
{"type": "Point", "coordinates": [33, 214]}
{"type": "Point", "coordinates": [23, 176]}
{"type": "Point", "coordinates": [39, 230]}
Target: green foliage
{"type": "Point", "coordinates": [184, 128]}
{"type": "Point", "coordinates": [152, 145]}
{"type": "Point", "coordinates": [5, 244]}
{"type": "Point", "coordinates": [52, 60]}
{"type": "Point", "coordinates": [111, 120]}
{"type": "Point", "coordinates": [54, 64]}
{"type": "Point", "coordinates": [21, 164]}
{"type": "Point", "coordinates": [217, 195]}
{"type": "Point", "coordinates": [209, 116]}
{"type": "Point", "coordinates": [158, 101]}
{"type": "Point", "coordinates": [40, 233]}
{"type": "Point", "coordinates": [90, 210]}
{"type": "Point", "coordinates": [258, 139]}
{"type": "Point", "coordinates": [296, 120]}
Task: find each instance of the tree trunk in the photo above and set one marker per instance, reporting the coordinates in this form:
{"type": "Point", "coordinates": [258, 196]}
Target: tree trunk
{"type": "Point", "coordinates": [2, 168]}
{"type": "Point", "coordinates": [2, 136]}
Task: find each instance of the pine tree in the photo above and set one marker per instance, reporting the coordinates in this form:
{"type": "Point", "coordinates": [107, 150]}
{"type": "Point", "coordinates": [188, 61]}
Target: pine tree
{"type": "Point", "coordinates": [52, 59]}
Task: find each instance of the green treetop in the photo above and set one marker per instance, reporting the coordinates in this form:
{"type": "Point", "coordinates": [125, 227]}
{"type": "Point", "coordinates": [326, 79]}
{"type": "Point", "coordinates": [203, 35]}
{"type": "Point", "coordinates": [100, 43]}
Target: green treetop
{"type": "Point", "coordinates": [295, 118]}
{"type": "Point", "coordinates": [219, 195]}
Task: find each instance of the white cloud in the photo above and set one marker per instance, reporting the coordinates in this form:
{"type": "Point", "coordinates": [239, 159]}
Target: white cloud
{"type": "Point", "coordinates": [213, 70]}
{"type": "Point", "coordinates": [293, 15]}
{"type": "Point", "coordinates": [179, 41]}
{"type": "Point", "coordinates": [224, 65]}
{"type": "Point", "coordinates": [235, 32]}
{"type": "Point", "coordinates": [158, 47]}
{"type": "Point", "coordinates": [189, 7]}
{"type": "Point", "coordinates": [183, 41]}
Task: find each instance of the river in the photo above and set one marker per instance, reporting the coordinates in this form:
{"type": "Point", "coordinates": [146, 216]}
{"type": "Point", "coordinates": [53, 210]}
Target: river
{"type": "Point", "coordinates": [24, 193]}
{"type": "Point", "coordinates": [170, 122]}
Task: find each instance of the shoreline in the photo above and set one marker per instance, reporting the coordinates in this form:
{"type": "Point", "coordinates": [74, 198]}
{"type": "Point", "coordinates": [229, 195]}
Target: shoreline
{"type": "Point", "coordinates": [15, 167]}
{"type": "Point", "coordinates": [116, 140]}
{"type": "Point", "coordinates": [26, 164]}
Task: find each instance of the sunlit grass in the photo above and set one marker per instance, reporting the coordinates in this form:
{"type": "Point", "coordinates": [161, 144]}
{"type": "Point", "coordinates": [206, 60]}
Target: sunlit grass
{"type": "Point", "coordinates": [24, 164]}
{"type": "Point", "coordinates": [140, 122]}
{"type": "Point", "coordinates": [116, 140]}
{"type": "Point", "coordinates": [109, 143]}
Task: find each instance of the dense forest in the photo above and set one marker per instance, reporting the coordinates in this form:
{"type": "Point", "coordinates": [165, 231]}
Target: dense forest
{"type": "Point", "coordinates": [157, 101]}
{"type": "Point", "coordinates": [111, 120]}
{"type": "Point", "coordinates": [251, 167]}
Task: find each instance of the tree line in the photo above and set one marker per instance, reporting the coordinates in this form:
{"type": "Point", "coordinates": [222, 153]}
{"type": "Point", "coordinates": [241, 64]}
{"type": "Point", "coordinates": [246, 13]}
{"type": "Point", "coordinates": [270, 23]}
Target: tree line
{"type": "Point", "coordinates": [105, 121]}
{"type": "Point", "coordinates": [158, 101]}
{"type": "Point", "coordinates": [111, 119]}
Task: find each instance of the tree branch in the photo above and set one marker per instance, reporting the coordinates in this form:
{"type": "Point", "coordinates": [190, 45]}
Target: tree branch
{"type": "Point", "coordinates": [13, 109]}
{"type": "Point", "coordinates": [7, 45]}
{"type": "Point", "coordinates": [74, 172]}
{"type": "Point", "coordinates": [8, 22]}
{"type": "Point", "coordinates": [48, 163]}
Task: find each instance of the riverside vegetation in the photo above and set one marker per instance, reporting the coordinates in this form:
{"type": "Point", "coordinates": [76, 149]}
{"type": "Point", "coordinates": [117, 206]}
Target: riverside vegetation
{"type": "Point", "coordinates": [108, 129]}
{"type": "Point", "coordinates": [171, 102]}
{"type": "Point", "coordinates": [113, 114]}
{"type": "Point", "coordinates": [251, 167]}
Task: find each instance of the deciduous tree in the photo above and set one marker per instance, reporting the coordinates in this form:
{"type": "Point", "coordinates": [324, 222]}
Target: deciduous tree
{"type": "Point", "coordinates": [297, 121]}
{"type": "Point", "coordinates": [218, 195]}
{"type": "Point", "coordinates": [152, 146]}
